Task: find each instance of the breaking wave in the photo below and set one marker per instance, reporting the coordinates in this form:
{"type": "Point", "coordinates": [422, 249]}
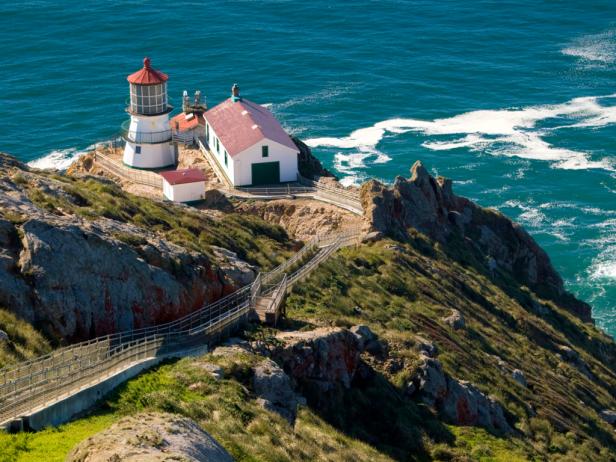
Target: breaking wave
{"type": "Point", "coordinates": [59, 159]}
{"type": "Point", "coordinates": [501, 132]}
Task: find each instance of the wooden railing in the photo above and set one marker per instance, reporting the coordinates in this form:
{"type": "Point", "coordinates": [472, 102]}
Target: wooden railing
{"type": "Point", "coordinates": [43, 381]}
{"type": "Point", "coordinates": [143, 177]}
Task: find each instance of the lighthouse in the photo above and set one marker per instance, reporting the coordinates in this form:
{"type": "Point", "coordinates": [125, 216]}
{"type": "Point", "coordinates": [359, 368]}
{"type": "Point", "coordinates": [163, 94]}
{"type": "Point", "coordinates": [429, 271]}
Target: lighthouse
{"type": "Point", "coordinates": [147, 133]}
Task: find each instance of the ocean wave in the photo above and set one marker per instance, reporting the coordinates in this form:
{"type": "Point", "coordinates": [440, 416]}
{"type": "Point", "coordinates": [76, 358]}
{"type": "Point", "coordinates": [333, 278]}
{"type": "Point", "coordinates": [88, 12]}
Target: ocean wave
{"type": "Point", "coordinates": [501, 132]}
{"type": "Point", "coordinates": [59, 159]}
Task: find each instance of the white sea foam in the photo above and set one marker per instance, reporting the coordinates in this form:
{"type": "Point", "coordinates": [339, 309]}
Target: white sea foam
{"type": "Point", "coordinates": [503, 132]}
{"type": "Point", "coordinates": [60, 159]}
{"type": "Point", "coordinates": [597, 49]}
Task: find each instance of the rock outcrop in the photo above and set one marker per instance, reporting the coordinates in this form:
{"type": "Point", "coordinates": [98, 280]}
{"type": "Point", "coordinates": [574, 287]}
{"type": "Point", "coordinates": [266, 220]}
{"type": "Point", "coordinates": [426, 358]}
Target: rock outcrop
{"type": "Point", "coordinates": [309, 166]}
{"type": "Point", "coordinates": [455, 320]}
{"type": "Point", "coordinates": [609, 416]}
{"type": "Point", "coordinates": [275, 391]}
{"type": "Point", "coordinates": [78, 278]}
{"type": "Point", "coordinates": [457, 401]}
{"type": "Point", "coordinates": [323, 358]}
{"type": "Point", "coordinates": [150, 436]}
{"type": "Point", "coordinates": [429, 205]}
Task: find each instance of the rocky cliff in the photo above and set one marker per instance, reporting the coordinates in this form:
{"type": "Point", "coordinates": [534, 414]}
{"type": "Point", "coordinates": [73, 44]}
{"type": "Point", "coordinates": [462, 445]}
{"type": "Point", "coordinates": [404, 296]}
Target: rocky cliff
{"type": "Point", "coordinates": [429, 205]}
{"type": "Point", "coordinates": [80, 258]}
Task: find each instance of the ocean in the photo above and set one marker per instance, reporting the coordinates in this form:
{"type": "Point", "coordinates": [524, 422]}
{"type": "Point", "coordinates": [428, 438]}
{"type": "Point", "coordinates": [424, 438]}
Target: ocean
{"type": "Point", "coordinates": [513, 100]}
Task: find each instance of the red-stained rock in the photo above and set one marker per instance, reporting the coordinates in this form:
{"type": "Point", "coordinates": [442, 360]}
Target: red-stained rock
{"type": "Point", "coordinates": [326, 356]}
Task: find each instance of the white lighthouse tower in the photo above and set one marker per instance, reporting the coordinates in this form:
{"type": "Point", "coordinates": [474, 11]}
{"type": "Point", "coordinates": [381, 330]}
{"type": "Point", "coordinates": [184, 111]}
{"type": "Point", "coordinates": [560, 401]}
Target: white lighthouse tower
{"type": "Point", "coordinates": [148, 135]}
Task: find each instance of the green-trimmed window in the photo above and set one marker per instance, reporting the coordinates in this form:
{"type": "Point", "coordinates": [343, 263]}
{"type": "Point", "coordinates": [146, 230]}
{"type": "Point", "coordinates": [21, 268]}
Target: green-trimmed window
{"type": "Point", "coordinates": [264, 151]}
{"type": "Point", "coordinates": [226, 160]}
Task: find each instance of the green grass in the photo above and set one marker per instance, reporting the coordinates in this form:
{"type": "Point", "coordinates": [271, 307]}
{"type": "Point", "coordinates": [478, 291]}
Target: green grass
{"type": "Point", "coordinates": [24, 343]}
{"type": "Point", "coordinates": [252, 238]}
{"type": "Point", "coordinates": [404, 289]}
{"type": "Point", "coordinates": [224, 408]}
{"type": "Point", "coordinates": [51, 444]}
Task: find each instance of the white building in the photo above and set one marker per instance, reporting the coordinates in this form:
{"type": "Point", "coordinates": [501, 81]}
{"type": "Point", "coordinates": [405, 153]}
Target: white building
{"type": "Point", "coordinates": [148, 135]}
{"type": "Point", "coordinates": [186, 185]}
{"type": "Point", "coordinates": [249, 143]}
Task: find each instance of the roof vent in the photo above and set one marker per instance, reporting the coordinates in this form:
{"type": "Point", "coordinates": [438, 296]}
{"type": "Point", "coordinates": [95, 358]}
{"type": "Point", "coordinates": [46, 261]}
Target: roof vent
{"type": "Point", "coordinates": [244, 112]}
{"type": "Point", "coordinates": [255, 126]}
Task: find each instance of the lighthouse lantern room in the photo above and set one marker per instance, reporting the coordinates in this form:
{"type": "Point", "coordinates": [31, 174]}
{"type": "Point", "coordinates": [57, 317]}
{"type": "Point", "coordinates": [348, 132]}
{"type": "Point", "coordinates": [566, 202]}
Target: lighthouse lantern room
{"type": "Point", "coordinates": [147, 134]}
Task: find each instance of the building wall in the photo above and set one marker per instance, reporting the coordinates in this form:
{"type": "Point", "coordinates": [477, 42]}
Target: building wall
{"type": "Point", "coordinates": [220, 155]}
{"type": "Point", "coordinates": [186, 192]}
{"type": "Point", "coordinates": [239, 168]}
{"type": "Point", "coordinates": [253, 155]}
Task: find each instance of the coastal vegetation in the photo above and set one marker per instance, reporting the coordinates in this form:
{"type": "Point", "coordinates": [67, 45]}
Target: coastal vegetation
{"type": "Point", "coordinates": [529, 348]}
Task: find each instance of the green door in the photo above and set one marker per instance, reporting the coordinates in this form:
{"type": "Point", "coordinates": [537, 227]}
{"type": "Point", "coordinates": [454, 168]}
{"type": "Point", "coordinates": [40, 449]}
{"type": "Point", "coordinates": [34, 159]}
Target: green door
{"type": "Point", "coordinates": [266, 173]}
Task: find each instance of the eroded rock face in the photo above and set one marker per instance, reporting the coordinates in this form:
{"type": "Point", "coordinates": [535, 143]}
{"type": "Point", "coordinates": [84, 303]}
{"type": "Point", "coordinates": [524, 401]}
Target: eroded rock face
{"type": "Point", "coordinates": [85, 283]}
{"type": "Point", "coordinates": [79, 278]}
{"type": "Point", "coordinates": [459, 402]}
{"type": "Point", "coordinates": [325, 357]}
{"type": "Point", "coordinates": [429, 205]}
{"type": "Point", "coordinates": [274, 389]}
{"type": "Point", "coordinates": [151, 436]}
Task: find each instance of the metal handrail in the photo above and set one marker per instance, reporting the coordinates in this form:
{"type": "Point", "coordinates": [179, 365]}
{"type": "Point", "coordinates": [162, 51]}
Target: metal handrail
{"type": "Point", "coordinates": [138, 136]}
{"type": "Point", "coordinates": [47, 379]}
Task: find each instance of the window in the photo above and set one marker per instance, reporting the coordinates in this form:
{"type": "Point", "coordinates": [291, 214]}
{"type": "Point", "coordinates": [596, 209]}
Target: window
{"type": "Point", "coordinates": [217, 146]}
{"type": "Point", "coordinates": [207, 131]}
{"type": "Point", "coordinates": [264, 151]}
{"type": "Point", "coordinates": [137, 149]}
{"type": "Point", "coordinates": [226, 161]}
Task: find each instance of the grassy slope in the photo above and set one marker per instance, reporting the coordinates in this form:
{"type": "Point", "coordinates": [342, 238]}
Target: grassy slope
{"type": "Point", "coordinates": [252, 238]}
{"type": "Point", "coordinates": [224, 408]}
{"type": "Point", "coordinates": [403, 289]}
{"type": "Point", "coordinates": [24, 343]}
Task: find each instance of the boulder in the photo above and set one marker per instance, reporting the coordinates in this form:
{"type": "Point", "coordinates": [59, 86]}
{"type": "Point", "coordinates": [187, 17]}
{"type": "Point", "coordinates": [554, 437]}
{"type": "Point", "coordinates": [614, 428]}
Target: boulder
{"type": "Point", "coordinates": [237, 270]}
{"type": "Point", "coordinates": [609, 416]}
{"type": "Point", "coordinates": [519, 377]}
{"type": "Point", "coordinates": [459, 402]}
{"type": "Point", "coordinates": [151, 436]}
{"type": "Point", "coordinates": [425, 346]}
{"type": "Point", "coordinates": [213, 369]}
{"type": "Point", "coordinates": [568, 354]}
{"type": "Point", "coordinates": [275, 390]}
{"type": "Point", "coordinates": [368, 340]}
{"type": "Point", "coordinates": [455, 320]}
{"type": "Point", "coordinates": [4, 337]}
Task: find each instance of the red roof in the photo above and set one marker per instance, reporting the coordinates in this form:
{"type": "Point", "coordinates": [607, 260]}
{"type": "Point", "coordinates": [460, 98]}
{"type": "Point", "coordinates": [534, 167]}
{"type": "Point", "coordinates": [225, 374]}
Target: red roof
{"type": "Point", "coordinates": [147, 75]}
{"type": "Point", "coordinates": [188, 175]}
{"type": "Point", "coordinates": [241, 124]}
{"type": "Point", "coordinates": [183, 123]}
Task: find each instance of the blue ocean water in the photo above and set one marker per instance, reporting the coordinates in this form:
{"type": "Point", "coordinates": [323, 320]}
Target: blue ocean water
{"type": "Point", "coordinates": [514, 100]}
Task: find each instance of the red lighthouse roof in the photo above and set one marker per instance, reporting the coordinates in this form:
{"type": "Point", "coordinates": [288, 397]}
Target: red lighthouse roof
{"type": "Point", "coordinates": [147, 75]}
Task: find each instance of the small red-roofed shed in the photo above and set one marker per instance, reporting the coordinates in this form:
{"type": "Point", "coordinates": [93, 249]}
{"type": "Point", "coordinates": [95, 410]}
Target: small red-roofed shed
{"type": "Point", "coordinates": [184, 185]}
